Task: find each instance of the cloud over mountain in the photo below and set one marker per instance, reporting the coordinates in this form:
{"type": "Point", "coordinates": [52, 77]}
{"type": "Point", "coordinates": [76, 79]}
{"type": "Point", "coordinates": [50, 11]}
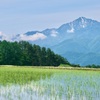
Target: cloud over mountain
{"type": "Point", "coordinates": [33, 37]}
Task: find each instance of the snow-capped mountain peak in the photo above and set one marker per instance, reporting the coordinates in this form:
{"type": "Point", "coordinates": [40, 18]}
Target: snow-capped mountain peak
{"type": "Point", "coordinates": [81, 22]}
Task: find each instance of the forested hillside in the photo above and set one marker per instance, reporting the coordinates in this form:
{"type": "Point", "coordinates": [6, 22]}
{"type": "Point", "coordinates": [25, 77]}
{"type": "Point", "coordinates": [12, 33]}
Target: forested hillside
{"type": "Point", "coordinates": [24, 53]}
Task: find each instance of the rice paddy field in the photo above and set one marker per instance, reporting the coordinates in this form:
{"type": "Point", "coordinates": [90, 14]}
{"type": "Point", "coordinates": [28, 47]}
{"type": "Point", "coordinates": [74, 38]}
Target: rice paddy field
{"type": "Point", "coordinates": [37, 83]}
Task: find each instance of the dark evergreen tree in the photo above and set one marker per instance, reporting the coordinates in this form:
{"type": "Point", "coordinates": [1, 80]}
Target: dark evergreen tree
{"type": "Point", "coordinates": [24, 53]}
{"type": "Point", "coordinates": [43, 56]}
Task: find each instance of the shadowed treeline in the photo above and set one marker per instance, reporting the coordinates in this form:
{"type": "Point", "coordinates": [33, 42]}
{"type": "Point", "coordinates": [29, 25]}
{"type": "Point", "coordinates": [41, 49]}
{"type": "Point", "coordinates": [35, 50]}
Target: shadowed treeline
{"type": "Point", "coordinates": [24, 53]}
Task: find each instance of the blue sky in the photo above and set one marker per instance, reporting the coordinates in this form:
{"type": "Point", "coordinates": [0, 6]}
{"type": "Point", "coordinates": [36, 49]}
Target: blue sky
{"type": "Point", "coordinates": [20, 16]}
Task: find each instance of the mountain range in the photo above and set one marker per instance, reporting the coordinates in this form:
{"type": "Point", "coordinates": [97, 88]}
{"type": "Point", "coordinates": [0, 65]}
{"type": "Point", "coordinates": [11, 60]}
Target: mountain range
{"type": "Point", "coordinates": [78, 41]}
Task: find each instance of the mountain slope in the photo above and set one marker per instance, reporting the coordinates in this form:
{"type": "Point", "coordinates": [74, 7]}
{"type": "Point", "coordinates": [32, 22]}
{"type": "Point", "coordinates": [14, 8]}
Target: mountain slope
{"type": "Point", "coordinates": [78, 41]}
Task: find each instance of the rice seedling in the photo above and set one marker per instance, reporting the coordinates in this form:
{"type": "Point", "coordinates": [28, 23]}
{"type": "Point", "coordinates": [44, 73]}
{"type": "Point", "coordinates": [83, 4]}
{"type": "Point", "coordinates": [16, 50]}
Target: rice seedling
{"type": "Point", "coordinates": [49, 84]}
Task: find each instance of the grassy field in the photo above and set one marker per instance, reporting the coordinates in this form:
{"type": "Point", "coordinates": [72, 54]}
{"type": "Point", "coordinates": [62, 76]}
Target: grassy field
{"type": "Point", "coordinates": [22, 75]}
{"type": "Point", "coordinates": [49, 83]}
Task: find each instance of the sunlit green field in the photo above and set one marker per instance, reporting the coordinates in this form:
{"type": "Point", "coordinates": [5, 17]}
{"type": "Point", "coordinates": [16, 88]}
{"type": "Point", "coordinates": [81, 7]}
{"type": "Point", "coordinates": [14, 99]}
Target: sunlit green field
{"type": "Point", "coordinates": [32, 83]}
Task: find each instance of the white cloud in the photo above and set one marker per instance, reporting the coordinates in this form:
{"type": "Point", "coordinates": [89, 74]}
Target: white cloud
{"type": "Point", "coordinates": [1, 33]}
{"type": "Point", "coordinates": [33, 37]}
{"type": "Point", "coordinates": [4, 37]}
{"type": "Point", "coordinates": [54, 33]}
{"type": "Point", "coordinates": [71, 30]}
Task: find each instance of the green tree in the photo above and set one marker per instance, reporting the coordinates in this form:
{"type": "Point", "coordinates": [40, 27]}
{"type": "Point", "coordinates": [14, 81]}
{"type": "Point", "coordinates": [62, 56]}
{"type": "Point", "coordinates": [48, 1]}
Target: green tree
{"type": "Point", "coordinates": [24, 53]}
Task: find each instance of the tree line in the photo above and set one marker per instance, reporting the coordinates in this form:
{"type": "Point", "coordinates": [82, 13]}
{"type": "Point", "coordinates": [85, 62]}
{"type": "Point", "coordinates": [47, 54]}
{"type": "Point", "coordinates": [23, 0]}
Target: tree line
{"type": "Point", "coordinates": [24, 53]}
{"type": "Point", "coordinates": [93, 66]}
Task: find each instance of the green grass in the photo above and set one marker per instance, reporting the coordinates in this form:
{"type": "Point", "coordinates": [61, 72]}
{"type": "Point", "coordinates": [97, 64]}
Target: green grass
{"type": "Point", "coordinates": [21, 75]}
{"type": "Point", "coordinates": [49, 83]}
